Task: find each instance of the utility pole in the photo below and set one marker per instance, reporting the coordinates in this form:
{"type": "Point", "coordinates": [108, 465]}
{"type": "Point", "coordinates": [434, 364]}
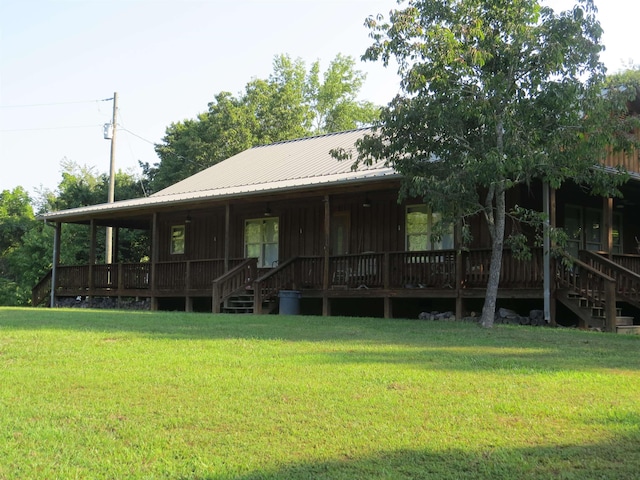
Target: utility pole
{"type": "Point", "coordinates": [112, 179]}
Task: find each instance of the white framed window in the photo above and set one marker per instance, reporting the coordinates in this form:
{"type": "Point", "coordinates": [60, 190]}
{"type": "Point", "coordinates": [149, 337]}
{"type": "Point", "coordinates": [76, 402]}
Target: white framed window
{"type": "Point", "coordinates": [177, 239]}
{"type": "Point", "coordinates": [261, 240]}
{"type": "Point", "coordinates": [421, 226]}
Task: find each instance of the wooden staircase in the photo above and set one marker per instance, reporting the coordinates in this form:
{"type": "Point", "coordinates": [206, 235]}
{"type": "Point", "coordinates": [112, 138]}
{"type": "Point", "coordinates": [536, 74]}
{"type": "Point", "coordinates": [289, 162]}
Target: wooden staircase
{"type": "Point", "coordinates": [593, 316]}
{"type": "Point", "coordinates": [243, 302]}
{"type": "Point", "coordinates": [593, 286]}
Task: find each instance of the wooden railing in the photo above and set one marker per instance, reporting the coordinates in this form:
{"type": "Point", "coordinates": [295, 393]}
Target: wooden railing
{"type": "Point", "coordinates": [514, 272]}
{"type": "Point", "coordinates": [235, 280]}
{"type": "Point", "coordinates": [42, 291]}
{"type": "Point", "coordinates": [72, 279]}
{"type": "Point", "coordinates": [353, 271]}
{"type": "Point", "coordinates": [435, 269]}
{"type": "Point", "coordinates": [590, 283]}
{"type": "Point", "coordinates": [627, 281]}
{"type": "Point", "coordinates": [390, 270]}
{"type": "Point", "coordinates": [296, 273]}
{"type": "Point", "coordinates": [630, 262]}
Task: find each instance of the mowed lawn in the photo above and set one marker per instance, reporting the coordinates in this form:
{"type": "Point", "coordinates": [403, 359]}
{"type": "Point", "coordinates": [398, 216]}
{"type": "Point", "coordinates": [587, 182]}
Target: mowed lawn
{"type": "Point", "coordinates": [110, 395]}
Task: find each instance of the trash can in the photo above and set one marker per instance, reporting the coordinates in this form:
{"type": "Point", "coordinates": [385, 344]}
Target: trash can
{"type": "Point", "coordinates": [289, 302]}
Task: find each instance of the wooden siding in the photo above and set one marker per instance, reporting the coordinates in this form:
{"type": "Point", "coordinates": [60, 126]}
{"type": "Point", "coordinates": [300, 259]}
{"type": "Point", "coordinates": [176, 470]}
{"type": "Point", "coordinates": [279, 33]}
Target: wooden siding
{"type": "Point", "coordinates": [627, 160]}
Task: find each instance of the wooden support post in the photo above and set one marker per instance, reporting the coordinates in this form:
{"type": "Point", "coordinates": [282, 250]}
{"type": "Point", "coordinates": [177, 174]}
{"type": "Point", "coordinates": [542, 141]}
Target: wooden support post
{"type": "Point", "coordinates": [227, 236]}
{"type": "Point", "coordinates": [327, 244]}
{"type": "Point", "coordinates": [257, 298]}
{"type": "Point", "coordinates": [553, 218]}
{"type": "Point", "coordinates": [55, 263]}
{"type": "Point", "coordinates": [546, 253]}
{"type": "Point", "coordinates": [120, 286]}
{"type": "Point", "coordinates": [388, 307]}
{"type": "Point", "coordinates": [607, 224]}
{"type": "Point", "coordinates": [459, 270]}
{"type": "Point", "coordinates": [215, 298]}
{"type": "Point", "coordinates": [154, 260]}
{"type": "Point", "coordinates": [92, 260]}
{"type": "Point", "coordinates": [610, 306]}
{"type": "Point", "coordinates": [326, 306]}
{"type": "Point", "coordinates": [386, 283]}
{"type": "Point", "coordinates": [188, 302]}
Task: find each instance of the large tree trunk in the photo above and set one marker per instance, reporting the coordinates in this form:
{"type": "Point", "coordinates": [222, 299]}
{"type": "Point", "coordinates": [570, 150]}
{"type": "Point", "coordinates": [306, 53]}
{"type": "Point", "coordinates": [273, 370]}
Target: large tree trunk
{"type": "Point", "coordinates": [491, 295]}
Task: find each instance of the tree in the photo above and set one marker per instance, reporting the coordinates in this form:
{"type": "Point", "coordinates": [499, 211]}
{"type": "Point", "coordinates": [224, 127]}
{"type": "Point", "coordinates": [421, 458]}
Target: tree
{"type": "Point", "coordinates": [290, 103]}
{"type": "Point", "coordinates": [495, 94]}
{"type": "Point", "coordinates": [16, 218]}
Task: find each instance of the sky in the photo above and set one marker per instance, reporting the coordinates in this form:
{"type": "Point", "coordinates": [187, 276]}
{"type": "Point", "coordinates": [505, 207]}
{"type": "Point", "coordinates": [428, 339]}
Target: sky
{"type": "Point", "coordinates": [62, 60]}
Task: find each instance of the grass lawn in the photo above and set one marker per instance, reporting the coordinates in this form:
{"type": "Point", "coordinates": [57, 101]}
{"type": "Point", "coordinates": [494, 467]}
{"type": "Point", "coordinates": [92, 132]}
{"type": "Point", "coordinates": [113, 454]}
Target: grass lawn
{"type": "Point", "coordinates": [106, 395]}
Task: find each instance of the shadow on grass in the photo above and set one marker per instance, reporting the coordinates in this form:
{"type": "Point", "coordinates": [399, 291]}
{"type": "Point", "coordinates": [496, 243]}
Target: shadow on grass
{"type": "Point", "coordinates": [426, 344]}
{"type": "Point", "coordinates": [617, 459]}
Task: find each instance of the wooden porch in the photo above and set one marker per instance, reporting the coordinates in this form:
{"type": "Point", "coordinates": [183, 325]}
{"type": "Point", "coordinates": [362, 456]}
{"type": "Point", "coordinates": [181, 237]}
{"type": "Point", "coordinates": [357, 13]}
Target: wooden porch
{"type": "Point", "coordinates": [592, 286]}
{"type": "Point", "coordinates": [388, 275]}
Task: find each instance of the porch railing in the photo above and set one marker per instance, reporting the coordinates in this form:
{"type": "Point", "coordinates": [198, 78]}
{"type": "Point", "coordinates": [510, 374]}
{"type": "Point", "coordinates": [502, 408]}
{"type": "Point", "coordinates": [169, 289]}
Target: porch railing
{"type": "Point", "coordinates": [42, 291]}
{"type": "Point", "coordinates": [357, 271]}
{"type": "Point", "coordinates": [232, 282]}
{"type": "Point", "coordinates": [589, 283]}
{"type": "Point", "coordinates": [296, 273]}
{"type": "Point", "coordinates": [514, 272]}
{"type": "Point", "coordinates": [433, 269]}
{"type": "Point", "coordinates": [627, 281]}
{"type": "Point", "coordinates": [390, 270]}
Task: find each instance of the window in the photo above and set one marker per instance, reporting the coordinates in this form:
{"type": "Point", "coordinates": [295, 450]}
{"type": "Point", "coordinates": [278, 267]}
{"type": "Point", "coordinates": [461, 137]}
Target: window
{"type": "Point", "coordinates": [583, 228]}
{"type": "Point", "coordinates": [177, 239]}
{"type": "Point", "coordinates": [425, 230]}
{"type": "Point", "coordinates": [261, 241]}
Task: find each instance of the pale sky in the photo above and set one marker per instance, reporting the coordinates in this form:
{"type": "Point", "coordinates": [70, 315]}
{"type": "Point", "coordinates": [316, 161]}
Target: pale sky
{"type": "Point", "coordinates": [167, 60]}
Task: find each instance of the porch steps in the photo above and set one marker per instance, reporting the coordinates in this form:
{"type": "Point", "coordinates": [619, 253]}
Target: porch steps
{"type": "Point", "coordinates": [593, 316]}
{"type": "Point", "coordinates": [243, 303]}
{"type": "Point", "coordinates": [628, 329]}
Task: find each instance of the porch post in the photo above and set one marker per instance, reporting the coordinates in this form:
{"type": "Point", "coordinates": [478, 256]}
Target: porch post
{"type": "Point", "coordinates": [546, 252]}
{"type": "Point", "coordinates": [386, 282]}
{"type": "Point", "coordinates": [227, 235]}
{"type": "Point", "coordinates": [607, 224]}
{"type": "Point", "coordinates": [154, 261]}
{"type": "Point", "coordinates": [552, 224]}
{"type": "Point", "coordinates": [55, 262]}
{"type": "Point", "coordinates": [326, 307]}
{"type": "Point", "coordinates": [459, 268]}
{"type": "Point", "coordinates": [92, 259]}
{"type": "Point", "coordinates": [188, 302]}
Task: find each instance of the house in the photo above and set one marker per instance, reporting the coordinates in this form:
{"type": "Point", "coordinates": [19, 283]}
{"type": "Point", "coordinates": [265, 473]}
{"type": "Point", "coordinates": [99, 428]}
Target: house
{"type": "Point", "coordinates": [289, 217]}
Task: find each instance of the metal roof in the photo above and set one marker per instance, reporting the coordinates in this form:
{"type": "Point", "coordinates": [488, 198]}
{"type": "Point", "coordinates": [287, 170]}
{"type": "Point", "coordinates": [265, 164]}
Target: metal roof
{"type": "Point", "coordinates": [284, 166]}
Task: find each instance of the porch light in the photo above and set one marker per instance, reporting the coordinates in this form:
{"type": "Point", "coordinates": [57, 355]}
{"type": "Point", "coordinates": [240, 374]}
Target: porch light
{"type": "Point", "coordinates": [188, 219]}
{"type": "Point", "coordinates": [366, 203]}
{"type": "Point", "coordinates": [267, 211]}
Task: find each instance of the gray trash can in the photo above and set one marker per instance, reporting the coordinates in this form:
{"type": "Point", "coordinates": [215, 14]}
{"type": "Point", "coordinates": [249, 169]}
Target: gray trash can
{"type": "Point", "coordinates": [289, 302]}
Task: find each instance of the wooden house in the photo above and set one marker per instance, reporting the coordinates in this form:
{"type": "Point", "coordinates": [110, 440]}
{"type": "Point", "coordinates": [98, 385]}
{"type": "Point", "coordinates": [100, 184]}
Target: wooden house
{"type": "Point", "coordinates": [288, 217]}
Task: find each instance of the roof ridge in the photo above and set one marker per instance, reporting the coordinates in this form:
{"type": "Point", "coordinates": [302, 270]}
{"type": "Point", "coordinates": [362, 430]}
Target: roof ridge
{"type": "Point", "coordinates": [329, 134]}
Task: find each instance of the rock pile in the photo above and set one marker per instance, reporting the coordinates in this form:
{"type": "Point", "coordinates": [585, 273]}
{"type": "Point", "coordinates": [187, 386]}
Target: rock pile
{"type": "Point", "coordinates": [503, 316]}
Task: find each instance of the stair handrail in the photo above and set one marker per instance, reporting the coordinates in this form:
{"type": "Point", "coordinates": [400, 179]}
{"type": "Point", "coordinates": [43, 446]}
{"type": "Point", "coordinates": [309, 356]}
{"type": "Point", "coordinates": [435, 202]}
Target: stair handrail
{"type": "Point", "coordinates": [268, 285]}
{"type": "Point", "coordinates": [592, 284]}
{"type": "Point", "coordinates": [42, 291]}
{"type": "Point", "coordinates": [627, 281]}
{"type": "Point", "coordinates": [232, 282]}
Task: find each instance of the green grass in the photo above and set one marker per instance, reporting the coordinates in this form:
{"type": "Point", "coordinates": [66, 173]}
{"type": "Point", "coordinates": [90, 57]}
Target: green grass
{"type": "Point", "coordinates": [103, 394]}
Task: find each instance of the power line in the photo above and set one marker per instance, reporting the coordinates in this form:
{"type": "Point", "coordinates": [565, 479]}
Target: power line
{"type": "Point", "coordinates": [47, 128]}
{"type": "Point", "coordinates": [55, 103]}
{"type": "Point", "coordinates": [136, 135]}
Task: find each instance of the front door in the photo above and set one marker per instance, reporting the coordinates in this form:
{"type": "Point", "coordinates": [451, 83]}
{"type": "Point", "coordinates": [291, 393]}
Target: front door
{"type": "Point", "coordinates": [261, 241]}
{"type": "Point", "coordinates": [340, 225]}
